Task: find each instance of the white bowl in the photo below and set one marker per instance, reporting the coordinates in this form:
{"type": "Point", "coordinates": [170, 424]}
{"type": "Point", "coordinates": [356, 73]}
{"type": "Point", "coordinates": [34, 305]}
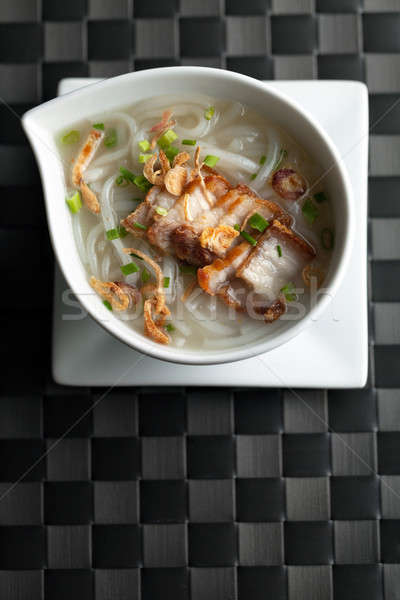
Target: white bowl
{"type": "Point", "coordinates": [42, 123]}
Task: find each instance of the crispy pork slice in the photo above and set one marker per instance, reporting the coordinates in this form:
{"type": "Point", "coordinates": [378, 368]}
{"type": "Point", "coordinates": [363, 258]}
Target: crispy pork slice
{"type": "Point", "coordinates": [241, 202]}
{"type": "Point", "coordinates": [216, 277]}
{"type": "Point", "coordinates": [192, 203]}
{"type": "Point", "coordinates": [146, 211]}
{"type": "Point", "coordinates": [269, 268]}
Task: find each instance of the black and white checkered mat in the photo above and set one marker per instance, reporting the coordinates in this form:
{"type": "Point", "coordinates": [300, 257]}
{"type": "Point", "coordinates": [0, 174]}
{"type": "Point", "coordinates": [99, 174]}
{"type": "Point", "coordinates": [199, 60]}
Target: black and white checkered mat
{"type": "Point", "coordinates": [195, 494]}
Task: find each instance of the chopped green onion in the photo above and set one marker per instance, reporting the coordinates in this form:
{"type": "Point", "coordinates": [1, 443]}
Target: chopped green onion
{"type": "Point", "coordinates": [144, 145]}
{"type": "Point", "coordinates": [142, 183]}
{"type": "Point", "coordinates": [288, 292]}
{"type": "Point", "coordinates": [171, 152]}
{"type": "Point", "coordinates": [121, 181]}
{"type": "Point", "coordinates": [256, 221]}
{"type": "Point", "coordinates": [237, 227]}
{"type": "Point", "coordinates": [110, 139]}
{"type": "Point", "coordinates": [248, 238]}
{"type": "Point", "coordinates": [129, 268]}
{"type": "Point", "coordinates": [189, 142]}
{"type": "Point", "coordinates": [166, 282]}
{"type": "Point", "coordinates": [320, 197]}
{"type": "Point", "coordinates": [209, 113]}
{"type": "Point", "coordinates": [145, 276]}
{"type": "Point", "coordinates": [279, 250]}
{"type": "Point", "coordinates": [127, 174]}
{"type": "Point", "coordinates": [262, 159]}
{"type": "Point", "coordinates": [188, 269]}
{"type": "Point", "coordinates": [211, 160]}
{"type": "Point", "coordinates": [167, 138]}
{"type": "Point", "coordinates": [114, 234]}
{"type": "Point", "coordinates": [71, 137]}
{"type": "Point", "coordinates": [74, 202]}
{"type": "Point", "coordinates": [143, 158]}
{"type": "Point", "coordinates": [310, 211]}
{"type": "Point", "coordinates": [161, 211]}
{"type": "Point", "coordinates": [98, 126]}
{"type": "Point", "coordinates": [169, 327]}
{"type": "Point", "coordinates": [107, 304]}
{"type": "Point", "coordinates": [327, 239]}
{"type": "Point", "coordinates": [135, 255]}
{"type": "Point", "coordinates": [140, 226]}
{"type": "Point", "coordinates": [282, 155]}
{"type": "Point", "coordinates": [253, 176]}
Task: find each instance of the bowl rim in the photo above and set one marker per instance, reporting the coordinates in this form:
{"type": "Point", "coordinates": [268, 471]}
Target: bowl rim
{"type": "Point", "coordinates": [139, 341]}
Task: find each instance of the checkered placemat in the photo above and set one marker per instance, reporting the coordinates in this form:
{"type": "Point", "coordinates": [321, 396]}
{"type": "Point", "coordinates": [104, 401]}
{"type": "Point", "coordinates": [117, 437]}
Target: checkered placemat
{"type": "Point", "coordinates": [178, 493]}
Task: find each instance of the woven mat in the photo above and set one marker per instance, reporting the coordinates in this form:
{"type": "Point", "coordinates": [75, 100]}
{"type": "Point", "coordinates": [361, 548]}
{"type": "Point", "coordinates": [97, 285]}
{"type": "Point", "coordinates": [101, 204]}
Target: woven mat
{"type": "Point", "coordinates": [178, 493]}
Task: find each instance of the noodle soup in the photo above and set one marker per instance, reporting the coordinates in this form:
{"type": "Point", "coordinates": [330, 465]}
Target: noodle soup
{"type": "Point", "coordinates": [200, 224]}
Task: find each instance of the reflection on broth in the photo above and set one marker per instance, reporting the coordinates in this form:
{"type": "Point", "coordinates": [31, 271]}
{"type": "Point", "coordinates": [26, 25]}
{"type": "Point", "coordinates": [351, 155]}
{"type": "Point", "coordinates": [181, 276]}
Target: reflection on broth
{"type": "Point", "coordinates": [197, 220]}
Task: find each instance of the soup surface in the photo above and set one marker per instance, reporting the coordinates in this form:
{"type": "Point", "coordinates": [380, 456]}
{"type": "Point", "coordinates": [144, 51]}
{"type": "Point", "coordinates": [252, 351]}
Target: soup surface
{"type": "Point", "coordinates": [200, 223]}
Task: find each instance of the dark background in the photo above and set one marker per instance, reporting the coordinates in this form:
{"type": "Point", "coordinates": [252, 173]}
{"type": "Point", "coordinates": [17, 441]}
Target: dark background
{"type": "Point", "coordinates": [182, 493]}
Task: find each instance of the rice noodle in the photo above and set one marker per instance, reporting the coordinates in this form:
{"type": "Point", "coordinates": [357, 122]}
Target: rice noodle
{"type": "Point", "coordinates": [119, 153]}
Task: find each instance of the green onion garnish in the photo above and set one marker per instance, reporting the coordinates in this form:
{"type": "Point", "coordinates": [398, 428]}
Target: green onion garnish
{"type": "Point", "coordinates": [209, 113]}
{"type": "Point", "coordinates": [188, 269]}
{"type": "Point", "coordinates": [310, 211]}
{"type": "Point", "coordinates": [110, 139]}
{"type": "Point", "coordinates": [135, 255]}
{"type": "Point", "coordinates": [140, 226]}
{"type": "Point", "coordinates": [166, 282]}
{"type": "Point", "coordinates": [253, 176]}
{"type": "Point", "coordinates": [189, 142]}
{"type": "Point", "coordinates": [167, 138]}
{"type": "Point", "coordinates": [327, 239]}
{"type": "Point", "coordinates": [98, 126]}
{"type": "Point", "coordinates": [142, 183]}
{"type": "Point", "coordinates": [127, 174]}
{"type": "Point", "coordinates": [256, 221]}
{"type": "Point", "coordinates": [262, 159]}
{"type": "Point", "coordinates": [114, 234]}
{"type": "Point", "coordinates": [171, 152]}
{"type": "Point", "coordinates": [71, 137]}
{"type": "Point", "coordinates": [143, 158]}
{"type": "Point", "coordinates": [169, 327]}
{"type": "Point", "coordinates": [279, 250]}
{"type": "Point", "coordinates": [145, 276]}
{"type": "Point", "coordinates": [237, 227]}
{"type": "Point", "coordinates": [248, 238]}
{"type": "Point", "coordinates": [282, 155]}
{"type": "Point", "coordinates": [320, 197]}
{"type": "Point", "coordinates": [211, 160]}
{"type": "Point", "coordinates": [288, 292]}
{"type": "Point", "coordinates": [74, 202]}
{"type": "Point", "coordinates": [161, 211]}
{"type": "Point", "coordinates": [107, 304]}
{"type": "Point", "coordinates": [144, 145]}
{"type": "Point", "coordinates": [121, 181]}
{"type": "Point", "coordinates": [129, 268]}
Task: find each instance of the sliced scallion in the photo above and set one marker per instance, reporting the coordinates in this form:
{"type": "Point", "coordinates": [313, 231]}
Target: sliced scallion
{"type": "Point", "coordinates": [107, 304]}
{"type": "Point", "coordinates": [121, 181]}
{"type": "Point", "coordinates": [211, 160]}
{"type": "Point", "coordinates": [188, 269]}
{"type": "Point", "coordinates": [320, 197]}
{"type": "Point", "coordinates": [127, 174]}
{"type": "Point", "coordinates": [252, 177]}
{"type": "Point", "coordinates": [310, 211]}
{"type": "Point", "coordinates": [129, 268]}
{"type": "Point", "coordinates": [169, 327]}
{"type": "Point", "coordinates": [111, 138]}
{"type": "Point", "coordinates": [140, 226]}
{"type": "Point", "coordinates": [236, 227]}
{"type": "Point", "coordinates": [74, 202]}
{"type": "Point", "coordinates": [98, 126]}
{"type": "Point", "coordinates": [189, 142]}
{"type": "Point", "coordinates": [142, 183]}
{"type": "Point", "coordinates": [143, 158]}
{"type": "Point", "coordinates": [209, 113]}
{"type": "Point", "coordinates": [145, 275]}
{"type": "Point", "coordinates": [256, 221]}
{"type": "Point", "coordinates": [171, 152]}
{"type": "Point", "coordinates": [279, 250]}
{"type": "Point", "coordinates": [167, 138]}
{"type": "Point", "coordinates": [248, 238]}
{"type": "Point", "coordinates": [161, 211]}
{"type": "Point", "coordinates": [166, 282]}
{"type": "Point", "coordinates": [135, 255]}
{"type": "Point", "coordinates": [327, 239]}
{"type": "Point", "coordinates": [118, 232]}
{"type": "Point", "coordinates": [262, 159]}
{"type": "Point", "coordinates": [71, 137]}
{"type": "Point", "coordinates": [288, 292]}
{"type": "Point", "coordinates": [144, 145]}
